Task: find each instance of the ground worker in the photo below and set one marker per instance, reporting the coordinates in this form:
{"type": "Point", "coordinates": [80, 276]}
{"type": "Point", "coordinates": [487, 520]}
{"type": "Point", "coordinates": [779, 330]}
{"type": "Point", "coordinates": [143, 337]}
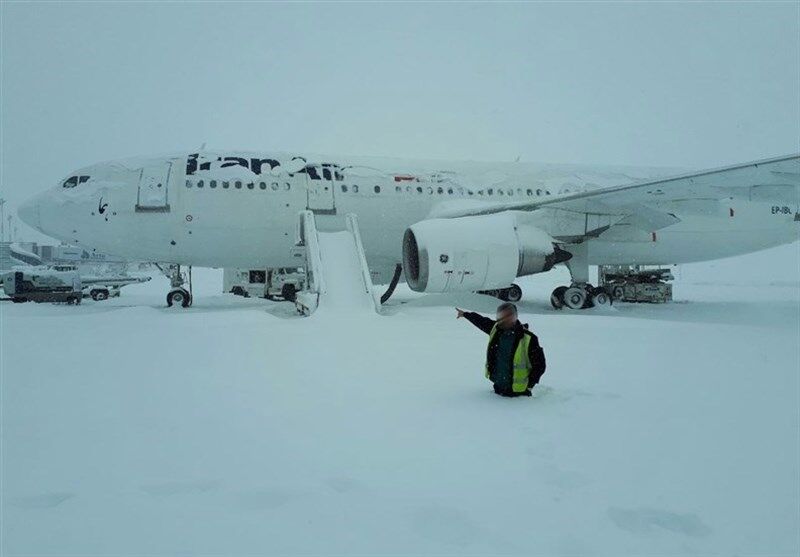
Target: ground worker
{"type": "Point", "coordinates": [514, 360]}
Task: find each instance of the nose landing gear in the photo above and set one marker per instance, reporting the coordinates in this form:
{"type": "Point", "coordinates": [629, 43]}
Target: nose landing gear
{"type": "Point", "coordinates": [178, 295]}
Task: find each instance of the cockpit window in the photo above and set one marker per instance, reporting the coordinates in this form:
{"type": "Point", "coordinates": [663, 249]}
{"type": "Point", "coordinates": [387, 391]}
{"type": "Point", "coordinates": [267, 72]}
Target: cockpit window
{"type": "Point", "coordinates": [73, 181]}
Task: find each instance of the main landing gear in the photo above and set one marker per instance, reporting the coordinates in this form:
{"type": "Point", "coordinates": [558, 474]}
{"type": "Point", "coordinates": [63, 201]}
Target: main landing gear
{"type": "Point", "coordinates": [579, 294]}
{"type": "Point", "coordinates": [178, 295]}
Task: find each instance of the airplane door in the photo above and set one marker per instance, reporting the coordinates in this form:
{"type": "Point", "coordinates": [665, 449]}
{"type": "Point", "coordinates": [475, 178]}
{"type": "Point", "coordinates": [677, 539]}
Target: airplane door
{"type": "Point", "coordinates": [320, 183]}
{"type": "Point", "coordinates": [153, 188]}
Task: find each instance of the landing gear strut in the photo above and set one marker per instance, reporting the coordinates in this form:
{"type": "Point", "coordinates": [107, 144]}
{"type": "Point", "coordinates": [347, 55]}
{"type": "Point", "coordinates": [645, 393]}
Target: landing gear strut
{"type": "Point", "coordinates": [178, 295]}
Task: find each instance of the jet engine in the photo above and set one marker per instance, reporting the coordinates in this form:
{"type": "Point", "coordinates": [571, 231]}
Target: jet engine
{"type": "Point", "coordinates": [475, 253]}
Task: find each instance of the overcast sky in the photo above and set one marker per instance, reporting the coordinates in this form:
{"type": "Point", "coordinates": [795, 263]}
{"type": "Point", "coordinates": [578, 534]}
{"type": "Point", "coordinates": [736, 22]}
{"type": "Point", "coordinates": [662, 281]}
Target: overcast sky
{"type": "Point", "coordinates": [675, 84]}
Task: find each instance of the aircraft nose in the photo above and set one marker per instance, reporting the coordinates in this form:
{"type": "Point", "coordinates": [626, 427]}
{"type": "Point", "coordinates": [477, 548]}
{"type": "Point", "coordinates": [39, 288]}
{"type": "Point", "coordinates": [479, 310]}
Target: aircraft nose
{"type": "Point", "coordinates": [28, 212]}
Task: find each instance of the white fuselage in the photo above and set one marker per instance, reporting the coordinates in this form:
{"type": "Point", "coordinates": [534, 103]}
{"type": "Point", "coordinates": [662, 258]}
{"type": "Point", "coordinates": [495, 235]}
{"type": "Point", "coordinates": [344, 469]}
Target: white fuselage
{"type": "Point", "coordinates": [241, 210]}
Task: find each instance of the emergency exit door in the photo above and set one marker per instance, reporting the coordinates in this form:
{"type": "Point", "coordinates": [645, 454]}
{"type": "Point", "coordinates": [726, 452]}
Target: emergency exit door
{"type": "Point", "coordinates": [154, 188]}
{"type": "Point", "coordinates": [320, 184]}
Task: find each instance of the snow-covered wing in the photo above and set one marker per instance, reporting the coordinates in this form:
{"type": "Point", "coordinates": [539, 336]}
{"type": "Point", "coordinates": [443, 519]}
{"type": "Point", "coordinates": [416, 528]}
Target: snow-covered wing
{"type": "Point", "coordinates": [775, 179]}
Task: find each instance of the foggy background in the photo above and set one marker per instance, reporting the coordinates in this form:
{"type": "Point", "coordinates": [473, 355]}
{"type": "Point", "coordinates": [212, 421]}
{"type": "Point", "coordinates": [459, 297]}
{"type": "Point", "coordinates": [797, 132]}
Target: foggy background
{"type": "Point", "coordinates": [681, 84]}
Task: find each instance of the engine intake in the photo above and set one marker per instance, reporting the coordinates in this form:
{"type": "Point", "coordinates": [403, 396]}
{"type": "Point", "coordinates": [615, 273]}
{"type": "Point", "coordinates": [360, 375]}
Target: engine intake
{"type": "Point", "coordinates": [475, 253]}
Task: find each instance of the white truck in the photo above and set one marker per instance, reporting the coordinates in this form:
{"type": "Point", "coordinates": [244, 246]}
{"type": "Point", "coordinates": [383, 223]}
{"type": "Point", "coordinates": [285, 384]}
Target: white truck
{"type": "Point", "coordinates": [62, 283]}
{"type": "Point", "coordinates": [281, 283]}
{"type": "Point", "coordinates": [43, 286]}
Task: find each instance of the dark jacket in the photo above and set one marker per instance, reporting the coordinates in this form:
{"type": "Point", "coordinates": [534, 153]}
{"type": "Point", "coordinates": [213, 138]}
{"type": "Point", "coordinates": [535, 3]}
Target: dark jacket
{"type": "Point", "coordinates": [535, 352]}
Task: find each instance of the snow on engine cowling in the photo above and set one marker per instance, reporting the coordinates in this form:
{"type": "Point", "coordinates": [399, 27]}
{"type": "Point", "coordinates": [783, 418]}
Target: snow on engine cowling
{"type": "Point", "coordinates": [475, 253]}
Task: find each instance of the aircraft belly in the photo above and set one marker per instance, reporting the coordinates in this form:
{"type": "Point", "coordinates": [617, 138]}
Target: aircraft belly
{"type": "Point", "coordinates": [683, 246]}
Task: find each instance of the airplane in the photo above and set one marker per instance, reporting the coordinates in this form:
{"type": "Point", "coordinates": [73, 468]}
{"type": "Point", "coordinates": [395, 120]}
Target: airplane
{"type": "Point", "coordinates": [450, 227]}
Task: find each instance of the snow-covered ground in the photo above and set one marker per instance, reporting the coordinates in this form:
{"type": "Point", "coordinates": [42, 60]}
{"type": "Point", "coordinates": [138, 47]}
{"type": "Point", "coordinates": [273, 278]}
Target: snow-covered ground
{"type": "Point", "coordinates": [234, 427]}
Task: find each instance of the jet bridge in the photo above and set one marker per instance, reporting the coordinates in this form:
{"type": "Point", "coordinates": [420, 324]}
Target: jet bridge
{"type": "Point", "coordinates": [336, 268]}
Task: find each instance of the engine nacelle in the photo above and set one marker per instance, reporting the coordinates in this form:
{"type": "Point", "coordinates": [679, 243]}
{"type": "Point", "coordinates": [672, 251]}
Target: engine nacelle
{"type": "Point", "coordinates": [475, 253]}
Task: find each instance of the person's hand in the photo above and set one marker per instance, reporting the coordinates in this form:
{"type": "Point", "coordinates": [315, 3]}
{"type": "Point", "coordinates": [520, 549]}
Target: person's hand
{"type": "Point", "coordinates": [459, 313]}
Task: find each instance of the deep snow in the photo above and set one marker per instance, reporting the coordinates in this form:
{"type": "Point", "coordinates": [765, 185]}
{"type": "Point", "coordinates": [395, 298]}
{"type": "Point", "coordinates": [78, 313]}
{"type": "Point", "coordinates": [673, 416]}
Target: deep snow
{"type": "Point", "coordinates": [234, 427]}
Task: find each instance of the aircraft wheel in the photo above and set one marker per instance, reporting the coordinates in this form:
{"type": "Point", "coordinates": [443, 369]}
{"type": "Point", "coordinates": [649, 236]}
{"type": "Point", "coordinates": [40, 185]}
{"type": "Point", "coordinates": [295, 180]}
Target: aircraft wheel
{"type": "Point", "coordinates": [513, 293]}
{"type": "Point", "coordinates": [574, 297]}
{"type": "Point", "coordinates": [178, 296]}
{"type": "Point", "coordinates": [617, 291]}
{"type": "Point", "coordinates": [601, 298]}
{"type": "Point", "coordinates": [557, 297]}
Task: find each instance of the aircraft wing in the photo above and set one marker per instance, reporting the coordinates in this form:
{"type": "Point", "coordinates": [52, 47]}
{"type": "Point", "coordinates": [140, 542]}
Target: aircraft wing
{"type": "Point", "coordinates": [776, 180]}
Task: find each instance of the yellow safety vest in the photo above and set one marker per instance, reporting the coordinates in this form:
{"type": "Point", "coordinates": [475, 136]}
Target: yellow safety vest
{"type": "Point", "coordinates": [522, 365]}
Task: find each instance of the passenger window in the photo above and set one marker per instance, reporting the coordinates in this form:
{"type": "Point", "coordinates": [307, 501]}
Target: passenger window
{"type": "Point", "coordinates": [237, 184]}
{"type": "Point", "coordinates": [499, 191]}
{"type": "Point", "coordinates": [490, 191]}
{"type": "Point", "coordinates": [262, 185]}
{"type": "Point", "coordinates": [188, 183]}
{"type": "Point", "coordinates": [398, 189]}
{"type": "Point", "coordinates": [377, 189]}
{"type": "Point", "coordinates": [440, 190]}
{"type": "Point", "coordinates": [200, 184]}
{"type": "Point", "coordinates": [212, 184]}
{"type": "Point", "coordinates": [287, 186]}
{"type": "Point", "coordinates": [71, 182]}
{"type": "Point", "coordinates": [274, 186]}
{"type": "Point", "coordinates": [225, 185]}
{"type": "Point", "coordinates": [529, 192]}
{"type": "Point", "coordinates": [83, 179]}
{"type": "Point", "coordinates": [326, 173]}
{"type": "Point", "coordinates": [250, 185]}
{"type": "Point", "coordinates": [419, 189]}
{"type": "Point", "coordinates": [430, 190]}
{"type": "Point", "coordinates": [344, 188]}
{"type": "Point", "coordinates": [450, 191]}
{"type": "Point", "coordinates": [538, 192]}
